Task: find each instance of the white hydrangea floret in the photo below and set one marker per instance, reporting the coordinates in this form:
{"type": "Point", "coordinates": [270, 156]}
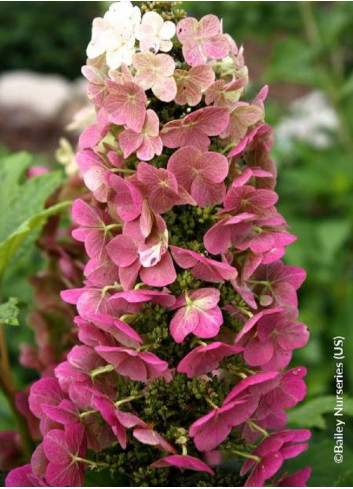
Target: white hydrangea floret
{"type": "Point", "coordinates": [154, 33]}
{"type": "Point", "coordinates": [114, 34]}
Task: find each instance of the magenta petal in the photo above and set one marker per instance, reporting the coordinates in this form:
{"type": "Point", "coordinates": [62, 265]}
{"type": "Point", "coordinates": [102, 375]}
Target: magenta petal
{"type": "Point", "coordinates": [183, 462]}
{"type": "Point", "coordinates": [264, 470]}
{"type": "Point", "coordinates": [257, 353]}
{"type": "Point", "coordinates": [151, 437]}
{"type": "Point", "coordinates": [122, 250]}
{"type": "Point", "coordinates": [44, 391]}
{"type": "Point", "coordinates": [299, 479]}
{"type": "Point", "coordinates": [204, 359]}
{"type": "Point", "coordinates": [19, 477]}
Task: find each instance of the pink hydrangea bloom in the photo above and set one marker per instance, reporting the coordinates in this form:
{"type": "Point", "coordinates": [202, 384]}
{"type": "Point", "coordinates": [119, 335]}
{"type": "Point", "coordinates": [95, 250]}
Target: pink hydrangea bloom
{"type": "Point", "coordinates": [61, 448]}
{"type": "Point", "coordinates": [204, 359]}
{"type": "Point", "coordinates": [94, 171]}
{"type": "Point", "coordinates": [225, 94]}
{"type": "Point", "coordinates": [129, 199]}
{"type": "Point", "coordinates": [279, 283]}
{"type": "Point", "coordinates": [126, 104]}
{"type": "Point", "coordinates": [122, 332]}
{"type": "Point", "coordinates": [202, 39]}
{"type": "Point", "coordinates": [270, 336]}
{"type": "Point", "coordinates": [136, 255]}
{"type": "Point", "coordinates": [118, 420]}
{"type": "Point", "coordinates": [242, 117]}
{"type": "Point", "coordinates": [213, 428]}
{"type": "Point", "coordinates": [202, 174]}
{"type": "Point", "coordinates": [191, 84]}
{"type": "Point", "coordinates": [273, 451]}
{"type": "Point", "coordinates": [132, 364]}
{"type": "Point", "coordinates": [23, 477]}
{"type": "Point", "coordinates": [93, 223]}
{"type": "Point", "coordinates": [96, 73]}
{"type": "Point", "coordinates": [220, 236]}
{"type": "Point", "coordinates": [155, 72]}
{"type": "Point", "coordinates": [299, 479]}
{"type": "Point", "coordinates": [146, 143]}
{"type": "Point", "coordinates": [198, 313]}
{"type": "Point", "coordinates": [195, 128]}
{"type": "Point", "coordinates": [160, 186]}
{"type": "Point", "coordinates": [169, 187]}
{"type": "Point", "coordinates": [135, 297]}
{"type": "Point", "coordinates": [202, 267]}
{"type": "Point", "coordinates": [44, 391]}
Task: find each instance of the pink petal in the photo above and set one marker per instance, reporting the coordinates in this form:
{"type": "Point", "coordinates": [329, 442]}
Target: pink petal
{"type": "Point", "coordinates": [183, 462]}
{"type": "Point", "coordinates": [161, 274]}
{"type": "Point", "coordinates": [207, 193]}
{"type": "Point", "coordinates": [126, 104]}
{"type": "Point", "coordinates": [209, 323]}
{"type": "Point", "coordinates": [130, 141]}
{"type": "Point", "coordinates": [151, 437]}
{"type": "Point", "coordinates": [122, 250]}
{"type": "Point", "coordinates": [204, 359]}
{"type": "Point", "coordinates": [210, 26]}
{"type": "Point", "coordinates": [165, 89]}
{"type": "Point", "coordinates": [183, 323]}
{"type": "Point", "coordinates": [129, 199]}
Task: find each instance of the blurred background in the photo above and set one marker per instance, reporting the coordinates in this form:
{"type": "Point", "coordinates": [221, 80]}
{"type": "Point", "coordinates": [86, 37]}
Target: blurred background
{"type": "Point", "coordinates": [304, 51]}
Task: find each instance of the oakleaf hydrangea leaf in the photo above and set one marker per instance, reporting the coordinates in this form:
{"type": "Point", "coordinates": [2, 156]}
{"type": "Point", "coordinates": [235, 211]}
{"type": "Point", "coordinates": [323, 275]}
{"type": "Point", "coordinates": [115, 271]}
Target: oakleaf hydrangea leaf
{"type": "Point", "coordinates": [22, 201]}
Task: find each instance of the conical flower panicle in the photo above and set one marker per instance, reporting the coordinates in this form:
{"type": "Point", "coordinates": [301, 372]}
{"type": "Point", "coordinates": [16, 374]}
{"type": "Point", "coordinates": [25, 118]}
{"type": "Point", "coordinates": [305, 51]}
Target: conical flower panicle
{"type": "Point", "coordinates": [187, 317]}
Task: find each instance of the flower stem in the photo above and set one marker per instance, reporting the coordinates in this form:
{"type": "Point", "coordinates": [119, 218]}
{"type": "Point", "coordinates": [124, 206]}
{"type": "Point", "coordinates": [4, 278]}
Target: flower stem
{"type": "Point", "coordinates": [247, 455]}
{"type": "Point", "coordinates": [258, 428]}
{"type": "Point", "coordinates": [211, 403]}
{"type": "Point", "coordinates": [8, 388]}
{"type": "Point", "coordinates": [101, 370]}
{"type": "Point", "coordinates": [128, 399]}
{"type": "Point", "coordinates": [123, 170]}
{"type": "Point", "coordinates": [91, 463]}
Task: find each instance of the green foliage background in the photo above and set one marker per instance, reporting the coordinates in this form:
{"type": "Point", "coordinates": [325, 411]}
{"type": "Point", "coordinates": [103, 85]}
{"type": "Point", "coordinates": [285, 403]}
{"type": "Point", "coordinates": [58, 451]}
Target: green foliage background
{"type": "Point", "coordinates": [296, 47]}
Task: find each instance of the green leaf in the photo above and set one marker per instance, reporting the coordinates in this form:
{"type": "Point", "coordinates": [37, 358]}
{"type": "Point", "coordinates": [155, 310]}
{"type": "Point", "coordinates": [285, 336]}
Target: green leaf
{"type": "Point", "coordinates": [10, 245]}
{"type": "Point", "coordinates": [21, 198]}
{"type": "Point", "coordinates": [9, 312]}
{"type": "Point", "coordinates": [22, 201]}
{"type": "Point", "coordinates": [311, 414]}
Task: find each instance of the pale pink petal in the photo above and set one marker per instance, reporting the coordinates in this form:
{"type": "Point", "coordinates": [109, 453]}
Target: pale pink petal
{"type": "Point", "coordinates": [165, 89]}
{"type": "Point", "coordinates": [209, 323]}
{"type": "Point", "coordinates": [183, 323]}
{"type": "Point", "coordinates": [130, 141]}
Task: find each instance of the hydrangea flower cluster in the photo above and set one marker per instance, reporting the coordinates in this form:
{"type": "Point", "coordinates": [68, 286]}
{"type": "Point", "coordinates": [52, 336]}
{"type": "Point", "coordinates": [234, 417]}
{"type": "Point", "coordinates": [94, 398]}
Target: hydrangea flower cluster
{"type": "Point", "coordinates": [187, 317]}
